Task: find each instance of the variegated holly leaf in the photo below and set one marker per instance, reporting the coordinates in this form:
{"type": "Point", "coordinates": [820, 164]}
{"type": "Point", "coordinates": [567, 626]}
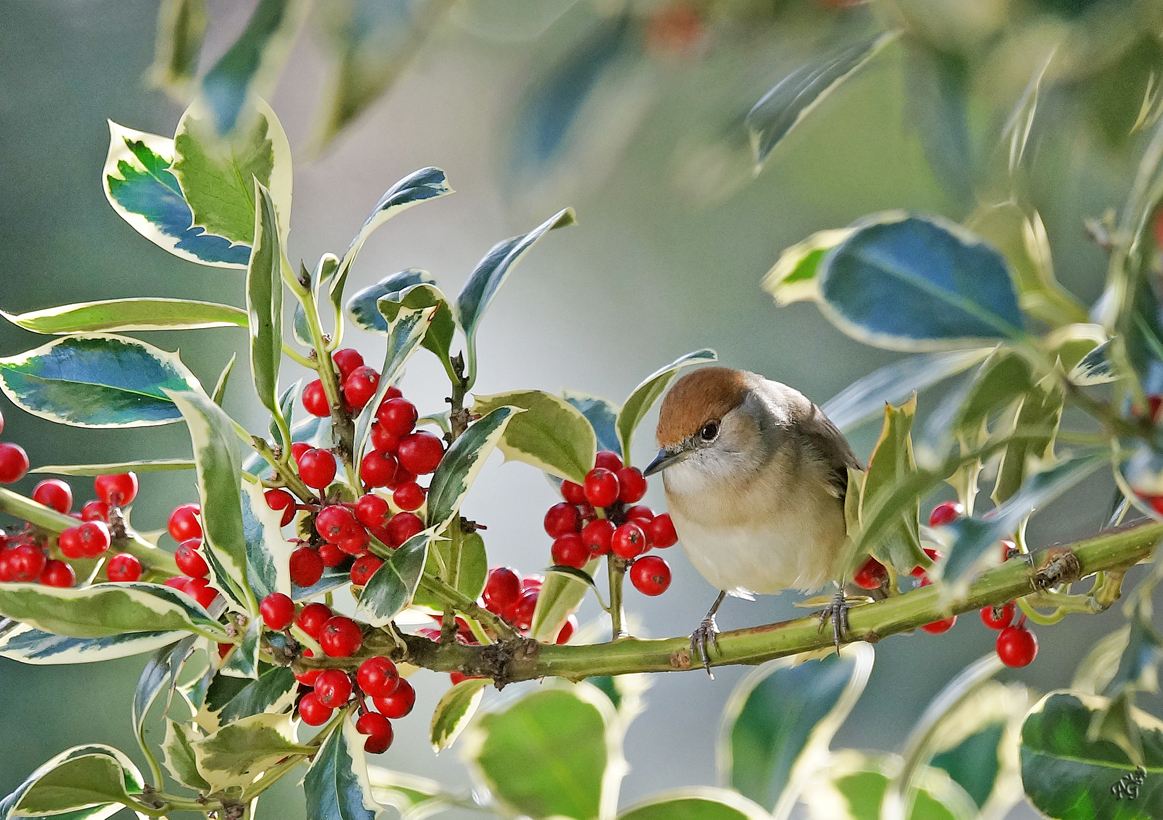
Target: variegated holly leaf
{"type": "Point", "coordinates": [551, 434]}
{"type": "Point", "coordinates": [337, 786]}
{"type": "Point", "coordinates": [268, 553]}
{"type": "Point", "coordinates": [453, 712]}
{"type": "Point", "coordinates": [239, 752]}
{"type": "Point", "coordinates": [120, 315]}
{"type": "Point", "coordinates": [161, 465]}
{"type": "Point", "coordinates": [793, 277]}
{"type": "Point", "coordinates": [643, 397]}
{"type": "Point", "coordinates": [28, 644]}
{"type": "Point", "coordinates": [461, 463]}
{"type": "Point", "coordinates": [159, 675]}
{"type": "Point", "coordinates": [264, 301]}
{"type": "Point", "coordinates": [891, 463]}
{"type": "Point", "coordinates": [560, 596]}
{"type": "Point", "coordinates": [695, 803]}
{"type": "Point", "coordinates": [392, 586]}
{"type": "Point", "coordinates": [96, 778]}
{"type": "Point", "coordinates": [178, 755]}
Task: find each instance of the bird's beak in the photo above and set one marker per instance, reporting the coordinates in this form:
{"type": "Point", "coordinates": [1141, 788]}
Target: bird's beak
{"type": "Point", "coordinates": [665, 459]}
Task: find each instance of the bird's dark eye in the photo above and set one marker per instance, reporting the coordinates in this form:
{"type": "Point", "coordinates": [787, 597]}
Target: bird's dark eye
{"type": "Point", "coordinates": [709, 431]}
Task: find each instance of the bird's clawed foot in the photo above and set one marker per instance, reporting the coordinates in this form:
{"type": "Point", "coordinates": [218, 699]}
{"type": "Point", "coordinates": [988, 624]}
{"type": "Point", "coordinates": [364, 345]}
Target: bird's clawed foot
{"type": "Point", "coordinates": [837, 612]}
{"type": "Point", "coordinates": [707, 633]}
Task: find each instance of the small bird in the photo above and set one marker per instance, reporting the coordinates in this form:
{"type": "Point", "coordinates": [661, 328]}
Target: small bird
{"type": "Point", "coordinates": [755, 477]}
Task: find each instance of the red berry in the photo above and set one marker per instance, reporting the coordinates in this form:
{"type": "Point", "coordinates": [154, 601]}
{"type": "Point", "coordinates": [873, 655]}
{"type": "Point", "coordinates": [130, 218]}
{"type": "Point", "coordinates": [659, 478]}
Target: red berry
{"type": "Point", "coordinates": [650, 575]}
{"type": "Point", "coordinates": [277, 610]}
{"type": "Point", "coordinates": [189, 561]}
{"type": "Point", "coordinates": [597, 535]}
{"type": "Point", "coordinates": [312, 711]}
{"type": "Point", "coordinates": [561, 519]}
{"type": "Point", "coordinates": [379, 731]}
{"type": "Point", "coordinates": [308, 677]}
{"type": "Point", "coordinates": [570, 551]}
{"type": "Point", "coordinates": [333, 688]}
{"type": "Point", "coordinates": [377, 677]}
{"type": "Point", "coordinates": [7, 574]}
{"type": "Point", "coordinates": [934, 556]}
{"type": "Point", "coordinates": [54, 493]}
{"type": "Point", "coordinates": [298, 448]}
{"type": "Point", "coordinates": [397, 416]}
{"type": "Point", "coordinates": [341, 637]}
{"type": "Point", "coordinates": [95, 511]}
{"type": "Point", "coordinates": [998, 617]}
{"type": "Point", "coordinates": [1017, 646]}
{"type": "Point", "coordinates": [118, 490]}
{"type": "Point", "coordinates": [372, 511]}
{"type": "Point", "coordinates": [316, 468]}
{"type": "Point", "coordinates": [13, 463]}
{"type": "Point", "coordinates": [937, 627]}
{"type": "Point", "coordinates": [123, 567]}
{"type": "Point", "coordinates": [502, 589]}
{"type": "Point", "coordinates": [57, 574]}
{"type": "Point", "coordinates": [331, 555]}
{"type": "Point", "coordinates": [346, 361]}
{"type": "Point", "coordinates": [364, 568]}
{"type": "Point", "coordinates": [532, 583]}
{"type": "Point", "coordinates": [573, 493]}
{"type": "Point", "coordinates": [184, 524]}
{"type": "Point", "coordinates": [640, 513]}
{"type": "Point", "coordinates": [420, 453]}
{"type": "Point", "coordinates": [315, 400]}
{"type": "Point", "coordinates": [660, 532]}
{"type": "Point", "coordinates": [378, 469]}
{"type": "Point", "coordinates": [946, 513]}
{"type": "Point", "coordinates": [629, 541]}
{"type": "Point", "coordinates": [631, 485]}
{"type": "Point", "coordinates": [399, 703]}
{"type": "Point", "coordinates": [608, 460]}
{"type": "Point", "coordinates": [178, 582]}
{"type": "Point", "coordinates": [567, 630]}
{"type": "Point", "coordinates": [281, 500]}
{"type": "Point", "coordinates": [335, 523]}
{"type": "Point", "coordinates": [403, 526]}
{"type": "Point", "coordinates": [409, 496]}
{"type": "Point", "coordinates": [522, 614]}
{"type": "Point", "coordinates": [306, 567]}
{"type": "Point", "coordinates": [360, 386]}
{"type": "Point", "coordinates": [312, 617]}
{"type": "Point", "coordinates": [601, 487]}
{"type": "Point", "coordinates": [93, 538]}
{"type": "Point", "coordinates": [871, 574]}
{"type": "Point", "coordinates": [200, 590]}
{"type": "Point", "coordinates": [382, 440]}
{"type": "Point", "coordinates": [69, 542]}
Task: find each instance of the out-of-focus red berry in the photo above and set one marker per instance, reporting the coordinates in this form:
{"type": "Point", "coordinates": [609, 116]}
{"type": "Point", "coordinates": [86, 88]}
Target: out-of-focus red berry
{"type": "Point", "coordinates": [946, 513]}
{"type": "Point", "coordinates": [118, 489]}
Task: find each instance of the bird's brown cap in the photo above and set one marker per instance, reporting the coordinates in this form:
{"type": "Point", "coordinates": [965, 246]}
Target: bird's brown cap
{"type": "Point", "coordinates": [703, 395]}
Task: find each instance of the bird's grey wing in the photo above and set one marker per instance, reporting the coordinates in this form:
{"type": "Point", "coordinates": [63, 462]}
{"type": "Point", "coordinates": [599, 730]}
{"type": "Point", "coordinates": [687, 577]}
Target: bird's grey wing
{"type": "Point", "coordinates": [827, 440]}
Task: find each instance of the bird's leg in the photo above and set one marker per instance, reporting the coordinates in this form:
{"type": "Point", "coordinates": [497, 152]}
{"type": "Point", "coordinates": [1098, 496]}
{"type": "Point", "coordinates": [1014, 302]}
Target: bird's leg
{"type": "Point", "coordinates": [708, 631]}
{"type": "Point", "coordinates": [837, 612]}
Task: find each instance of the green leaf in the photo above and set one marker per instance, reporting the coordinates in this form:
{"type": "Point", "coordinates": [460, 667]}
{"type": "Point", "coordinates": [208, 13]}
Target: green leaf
{"type": "Point", "coordinates": [644, 396]}
{"type": "Point", "coordinates": [392, 586]}
{"type": "Point", "coordinates": [243, 660]}
{"type": "Point", "coordinates": [161, 673]}
{"type": "Point", "coordinates": [453, 712]}
{"type": "Point", "coordinates": [794, 276]}
{"type": "Point", "coordinates": [438, 339]}
{"type": "Point", "coordinates": [286, 411]}
{"type": "Point", "coordinates": [220, 387]}
{"type": "Point", "coordinates": [551, 435]}
{"type": "Point", "coordinates": [84, 776]}
{"type": "Point", "coordinates": [273, 691]}
{"type": "Point", "coordinates": [414, 797]}
{"type": "Point", "coordinates": [492, 271]}
{"type": "Point", "coordinates": [467, 575]}
{"type": "Point", "coordinates": [24, 643]}
{"type": "Point", "coordinates": [794, 97]}
{"type": "Point", "coordinates": [560, 596]}
{"type": "Point", "coordinates": [264, 301]}
{"type": "Point", "coordinates": [891, 463]}
{"type": "Point", "coordinates": [695, 803]}
{"type": "Point", "coordinates": [1138, 667]}
{"type": "Point", "coordinates": [268, 553]}
{"type": "Point", "coordinates": [252, 63]}
{"type": "Point", "coordinates": [556, 752]}
{"type": "Point", "coordinates": [1096, 671]}
{"type": "Point", "coordinates": [461, 463]}
{"type": "Point", "coordinates": [337, 786]}
{"type": "Point", "coordinates": [780, 719]}
{"type": "Point", "coordinates": [123, 315]}
{"type": "Point", "coordinates": [97, 380]}
{"type": "Point", "coordinates": [181, 28]}
{"type": "Point", "coordinates": [1040, 411]}
{"type": "Point", "coordinates": [217, 172]}
{"type": "Point", "coordinates": [602, 416]}
{"type": "Point", "coordinates": [239, 752]}
{"type": "Point", "coordinates": [178, 755]}
{"type": "Point", "coordinates": [854, 784]}
{"type": "Point", "coordinates": [936, 91]}
{"type": "Point", "coordinates": [104, 610]}
{"type": "Point", "coordinates": [216, 454]}
{"type": "Point", "coordinates": [160, 465]}
{"type": "Point", "coordinates": [1068, 777]}
{"type": "Point", "coordinates": [141, 186]}
{"type": "Point", "coordinates": [1002, 381]}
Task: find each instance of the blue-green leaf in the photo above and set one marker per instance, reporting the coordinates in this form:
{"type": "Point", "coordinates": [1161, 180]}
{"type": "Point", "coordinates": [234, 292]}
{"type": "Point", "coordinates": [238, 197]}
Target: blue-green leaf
{"type": "Point", "coordinates": [337, 786]}
{"type": "Point", "coordinates": [28, 644]}
{"type": "Point", "coordinates": [937, 91]}
{"type": "Point", "coordinates": [84, 777]}
{"type": "Point", "coordinates": [376, 306]}
{"type": "Point", "coordinates": [264, 301]}
{"type": "Point", "coordinates": [461, 463]}
{"type": "Point", "coordinates": [793, 98]}
{"type": "Point", "coordinates": [121, 315]}
{"type": "Point", "coordinates": [392, 586]}
{"type": "Point", "coordinates": [140, 184]}
{"type": "Point", "coordinates": [918, 283]}
{"type": "Point", "coordinates": [160, 673]}
{"type": "Point", "coordinates": [602, 415]}
{"type": "Point", "coordinates": [640, 401]}
{"type": "Point", "coordinates": [795, 275]}
{"type": "Point", "coordinates": [97, 380]}
{"type": "Point", "coordinates": [363, 307]}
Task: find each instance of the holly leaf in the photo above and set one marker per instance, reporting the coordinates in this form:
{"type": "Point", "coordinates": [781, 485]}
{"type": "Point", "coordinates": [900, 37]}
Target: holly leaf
{"type": "Point", "coordinates": [264, 301]}
{"type": "Point", "coordinates": [240, 752]}
{"type": "Point", "coordinates": [551, 434]}
{"type": "Point", "coordinates": [891, 463]}
{"type": "Point", "coordinates": [392, 586]}
{"type": "Point", "coordinates": [337, 786]}
{"type": "Point", "coordinates": [453, 712]}
{"type": "Point", "coordinates": [643, 397]}
{"type": "Point", "coordinates": [84, 777]}
{"type": "Point", "coordinates": [27, 644]}
{"type": "Point", "coordinates": [121, 315]}
{"type": "Point", "coordinates": [461, 464]}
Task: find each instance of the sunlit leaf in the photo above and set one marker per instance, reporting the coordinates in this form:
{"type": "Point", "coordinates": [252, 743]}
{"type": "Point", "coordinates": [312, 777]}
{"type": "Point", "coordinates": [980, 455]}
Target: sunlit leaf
{"type": "Point", "coordinates": [264, 301]}
{"type": "Point", "coordinates": [178, 755]}
{"type": "Point", "coordinates": [454, 711]}
{"type": "Point", "coordinates": [122, 315]}
{"type": "Point", "coordinates": [551, 434]}
{"type": "Point", "coordinates": [82, 777]}
{"type": "Point", "coordinates": [892, 462]}
{"type": "Point", "coordinates": [239, 752]}
{"type": "Point", "coordinates": [695, 803]}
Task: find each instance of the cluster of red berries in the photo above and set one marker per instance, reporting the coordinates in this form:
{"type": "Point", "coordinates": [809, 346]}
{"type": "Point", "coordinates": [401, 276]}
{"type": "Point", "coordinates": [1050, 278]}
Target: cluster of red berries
{"type": "Point", "coordinates": [322, 691]}
{"type": "Point", "coordinates": [603, 517]}
{"type": "Point", "coordinates": [514, 599]}
{"type": "Point", "coordinates": [185, 527]}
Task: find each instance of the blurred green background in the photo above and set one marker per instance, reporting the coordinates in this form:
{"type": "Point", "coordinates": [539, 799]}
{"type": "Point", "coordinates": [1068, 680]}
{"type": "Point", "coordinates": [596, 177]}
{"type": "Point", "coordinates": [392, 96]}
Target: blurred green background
{"type": "Point", "coordinates": [673, 239]}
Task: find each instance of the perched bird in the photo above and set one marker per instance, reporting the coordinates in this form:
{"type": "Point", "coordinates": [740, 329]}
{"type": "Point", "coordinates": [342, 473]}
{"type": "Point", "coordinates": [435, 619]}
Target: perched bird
{"type": "Point", "coordinates": [755, 477]}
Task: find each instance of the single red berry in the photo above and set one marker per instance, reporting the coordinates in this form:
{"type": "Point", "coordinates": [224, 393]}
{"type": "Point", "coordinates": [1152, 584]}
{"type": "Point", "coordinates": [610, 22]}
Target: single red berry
{"type": "Point", "coordinates": [316, 468]}
{"type": "Point", "coordinates": [601, 487]}
{"type": "Point", "coordinates": [54, 493]}
{"type": "Point", "coordinates": [397, 416]}
{"type": "Point", "coordinates": [377, 677]}
{"type": "Point", "coordinates": [13, 463]}
{"type": "Point", "coordinates": [312, 617]}
{"type": "Point", "coordinates": [360, 386]}
{"type": "Point", "coordinates": [608, 460]}
{"type": "Point", "coordinates": [312, 710]}
{"type": "Point", "coordinates": [399, 703]}
{"type": "Point", "coordinates": [119, 490]}
{"type": "Point", "coordinates": [501, 589]}
{"type": "Point", "coordinates": [1017, 646]}
{"type": "Point", "coordinates": [522, 613]}
{"type": "Point", "coordinates": [333, 688]}
{"type": "Point", "coordinates": [561, 519]}
{"type": "Point", "coordinates": [364, 568]}
{"type": "Point", "coordinates": [308, 677]}
{"type": "Point", "coordinates": [372, 511]}
{"type": "Point", "coordinates": [315, 400]}
{"type": "Point", "coordinates": [660, 531]}
{"type": "Point", "coordinates": [57, 574]}
{"type": "Point", "coordinates": [631, 485]}
{"type": "Point", "coordinates": [200, 590]}
{"type": "Point", "coordinates": [378, 469]}
{"type": "Point", "coordinates": [69, 542]}
{"type": "Point", "coordinates": [7, 574]}
{"type": "Point", "coordinates": [946, 513]}
{"type": "Point", "coordinates": [573, 493]}
{"type": "Point", "coordinates": [341, 637]}
{"type": "Point", "coordinates": [306, 567]}
{"type": "Point", "coordinates": [409, 496]}
{"type": "Point", "coordinates": [629, 541]}
{"type": "Point", "coordinates": [379, 731]}
{"type": "Point", "coordinates": [123, 567]}
{"type": "Point", "coordinates": [597, 535]}
{"type": "Point", "coordinates": [354, 542]}
{"type": "Point", "coordinates": [570, 551]}
{"type": "Point", "coordinates": [403, 526]}
{"type": "Point", "coordinates": [331, 555]}
{"type": "Point", "coordinates": [420, 453]}
{"type": "Point", "coordinates": [94, 538]}
{"type": "Point", "coordinates": [178, 582]}
{"type": "Point", "coordinates": [871, 574]}
{"type": "Point", "coordinates": [937, 627]}
{"type": "Point", "coordinates": [335, 522]}
{"type": "Point", "coordinates": [650, 575]}
{"type": "Point", "coordinates": [184, 524]}
{"type": "Point", "coordinates": [189, 561]}
{"type": "Point", "coordinates": [95, 511]}
{"type": "Point", "coordinates": [298, 448]}
{"type": "Point", "coordinates": [998, 617]}
{"type": "Point", "coordinates": [346, 361]}
{"type": "Point", "coordinates": [566, 631]}
{"type": "Point", "coordinates": [277, 610]}
{"type": "Point", "coordinates": [641, 514]}
{"type": "Point", "coordinates": [281, 500]}
{"type": "Point", "coordinates": [382, 440]}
